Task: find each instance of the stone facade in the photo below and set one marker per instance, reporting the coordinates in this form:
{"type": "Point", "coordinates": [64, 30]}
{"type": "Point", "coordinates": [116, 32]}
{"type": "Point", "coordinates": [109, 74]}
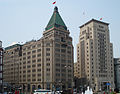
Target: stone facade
{"type": "Point", "coordinates": [11, 63]}
{"type": "Point", "coordinates": [47, 62]}
{"type": "Point", "coordinates": [1, 67]}
{"type": "Point", "coordinates": [117, 72]}
{"type": "Point", "coordinates": [75, 69]}
{"type": "Point", "coordinates": [95, 55]}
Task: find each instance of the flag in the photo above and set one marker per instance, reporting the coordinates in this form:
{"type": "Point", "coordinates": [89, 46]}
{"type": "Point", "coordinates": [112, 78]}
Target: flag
{"type": "Point", "coordinates": [100, 18]}
{"type": "Point", "coordinates": [54, 2]}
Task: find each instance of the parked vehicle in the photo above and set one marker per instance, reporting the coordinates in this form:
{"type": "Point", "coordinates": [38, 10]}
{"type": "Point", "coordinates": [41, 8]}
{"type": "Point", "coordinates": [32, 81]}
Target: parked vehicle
{"type": "Point", "coordinates": [58, 92]}
{"type": "Point", "coordinates": [43, 91]}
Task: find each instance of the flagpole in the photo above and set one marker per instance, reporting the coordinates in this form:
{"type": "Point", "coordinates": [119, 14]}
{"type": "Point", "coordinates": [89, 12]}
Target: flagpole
{"type": "Point", "coordinates": [84, 19]}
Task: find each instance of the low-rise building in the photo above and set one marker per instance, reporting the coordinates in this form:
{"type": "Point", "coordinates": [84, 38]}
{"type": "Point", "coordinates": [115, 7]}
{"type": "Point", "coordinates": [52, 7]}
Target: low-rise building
{"type": "Point", "coordinates": [11, 62]}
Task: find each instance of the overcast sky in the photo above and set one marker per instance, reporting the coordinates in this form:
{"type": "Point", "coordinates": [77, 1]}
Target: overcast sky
{"type": "Point", "coordinates": [24, 20]}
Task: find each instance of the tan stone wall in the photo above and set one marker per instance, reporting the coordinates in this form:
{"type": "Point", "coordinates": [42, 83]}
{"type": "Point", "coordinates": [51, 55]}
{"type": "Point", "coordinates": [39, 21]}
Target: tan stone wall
{"type": "Point", "coordinates": [94, 44]}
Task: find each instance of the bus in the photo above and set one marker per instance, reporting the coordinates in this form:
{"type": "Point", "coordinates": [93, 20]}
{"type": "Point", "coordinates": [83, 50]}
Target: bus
{"type": "Point", "coordinates": [43, 91]}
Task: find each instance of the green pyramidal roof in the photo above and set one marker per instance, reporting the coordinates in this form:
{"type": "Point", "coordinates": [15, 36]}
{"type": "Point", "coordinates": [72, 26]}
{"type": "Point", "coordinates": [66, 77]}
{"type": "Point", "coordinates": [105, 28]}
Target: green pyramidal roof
{"type": "Point", "coordinates": [56, 20]}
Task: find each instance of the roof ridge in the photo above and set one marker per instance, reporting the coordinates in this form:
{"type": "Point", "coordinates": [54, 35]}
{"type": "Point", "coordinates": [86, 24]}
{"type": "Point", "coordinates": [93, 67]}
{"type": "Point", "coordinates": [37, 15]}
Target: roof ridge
{"type": "Point", "coordinates": [55, 20]}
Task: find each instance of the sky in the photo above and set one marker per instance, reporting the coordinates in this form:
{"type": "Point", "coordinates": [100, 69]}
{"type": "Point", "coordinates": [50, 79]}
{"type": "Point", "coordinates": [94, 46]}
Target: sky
{"type": "Point", "coordinates": [24, 20]}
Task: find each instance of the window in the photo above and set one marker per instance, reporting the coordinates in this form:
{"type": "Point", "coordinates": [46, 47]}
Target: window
{"type": "Point", "coordinates": [28, 66]}
{"type": "Point", "coordinates": [47, 49]}
{"type": "Point", "coordinates": [33, 65]}
{"type": "Point", "coordinates": [28, 53]}
{"type": "Point", "coordinates": [33, 75]}
{"type": "Point", "coordinates": [28, 62]}
{"type": "Point", "coordinates": [33, 61]}
{"type": "Point", "coordinates": [69, 61]}
{"type": "Point", "coordinates": [63, 60]}
{"type": "Point", "coordinates": [24, 58]}
{"type": "Point", "coordinates": [33, 70]}
{"type": "Point", "coordinates": [48, 69]}
{"type": "Point", "coordinates": [39, 74]}
{"type": "Point", "coordinates": [57, 59]}
{"type": "Point", "coordinates": [58, 70]}
{"type": "Point", "coordinates": [33, 79]}
{"type": "Point", "coordinates": [48, 64]}
{"type": "Point", "coordinates": [63, 50]}
{"type": "Point", "coordinates": [38, 60]}
{"type": "Point", "coordinates": [58, 65]}
{"type": "Point", "coordinates": [38, 65]}
{"type": "Point", "coordinates": [69, 52]}
{"type": "Point", "coordinates": [39, 55]}
{"type": "Point", "coordinates": [62, 39]}
{"type": "Point", "coordinates": [28, 76]}
{"type": "Point", "coordinates": [28, 48]}
{"type": "Point", "coordinates": [33, 46]}
{"type": "Point", "coordinates": [24, 53]}
{"type": "Point", "coordinates": [57, 45]}
{"type": "Point", "coordinates": [39, 79]}
{"type": "Point", "coordinates": [47, 59]}
{"type": "Point", "coordinates": [64, 46]}
{"type": "Point", "coordinates": [24, 49]}
{"type": "Point", "coordinates": [57, 40]}
{"type": "Point", "coordinates": [34, 51]}
{"type": "Point", "coordinates": [57, 50]}
{"type": "Point", "coordinates": [39, 69]}
{"type": "Point", "coordinates": [57, 74]}
{"type": "Point", "coordinates": [47, 44]}
{"type": "Point", "coordinates": [33, 56]}
{"type": "Point", "coordinates": [47, 54]}
{"type": "Point", "coordinates": [28, 71]}
{"type": "Point", "coordinates": [24, 62]}
{"type": "Point", "coordinates": [28, 57]}
{"type": "Point", "coordinates": [38, 50]}
{"type": "Point", "coordinates": [39, 45]}
{"type": "Point", "coordinates": [56, 54]}
{"type": "Point", "coordinates": [69, 48]}
{"type": "Point", "coordinates": [24, 67]}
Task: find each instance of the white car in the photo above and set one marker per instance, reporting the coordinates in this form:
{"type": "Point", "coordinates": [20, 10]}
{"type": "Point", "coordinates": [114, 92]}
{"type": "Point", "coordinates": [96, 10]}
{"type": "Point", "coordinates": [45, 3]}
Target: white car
{"type": "Point", "coordinates": [43, 91]}
{"type": "Point", "coordinates": [58, 92]}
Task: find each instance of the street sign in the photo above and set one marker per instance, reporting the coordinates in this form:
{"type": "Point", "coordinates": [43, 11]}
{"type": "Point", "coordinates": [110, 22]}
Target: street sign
{"type": "Point", "coordinates": [107, 84]}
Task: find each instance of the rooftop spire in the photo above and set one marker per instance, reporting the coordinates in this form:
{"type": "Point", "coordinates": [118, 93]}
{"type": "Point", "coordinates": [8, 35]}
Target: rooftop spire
{"type": "Point", "coordinates": [56, 20]}
{"type": "Point", "coordinates": [55, 9]}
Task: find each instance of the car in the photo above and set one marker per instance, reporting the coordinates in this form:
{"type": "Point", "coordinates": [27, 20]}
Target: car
{"type": "Point", "coordinates": [58, 92]}
{"type": "Point", "coordinates": [10, 93]}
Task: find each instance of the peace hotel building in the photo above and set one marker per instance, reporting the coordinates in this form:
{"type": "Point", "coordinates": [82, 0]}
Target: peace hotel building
{"type": "Point", "coordinates": [44, 63]}
{"type": "Point", "coordinates": [95, 55]}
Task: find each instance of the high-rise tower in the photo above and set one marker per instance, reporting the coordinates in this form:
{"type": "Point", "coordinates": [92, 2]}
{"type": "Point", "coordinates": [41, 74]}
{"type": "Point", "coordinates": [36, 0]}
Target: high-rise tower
{"type": "Point", "coordinates": [95, 55]}
{"type": "Point", "coordinates": [58, 61]}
